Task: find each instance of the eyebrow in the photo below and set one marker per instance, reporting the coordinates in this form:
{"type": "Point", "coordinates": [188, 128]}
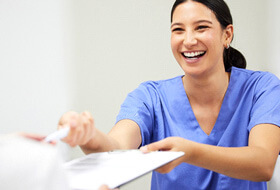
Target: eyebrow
{"type": "Point", "coordinates": [176, 24]}
{"type": "Point", "coordinates": [196, 22]}
{"type": "Point", "coordinates": [200, 21]}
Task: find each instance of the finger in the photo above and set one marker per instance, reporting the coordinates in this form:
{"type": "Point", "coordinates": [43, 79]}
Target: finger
{"type": "Point", "coordinates": [72, 124]}
{"type": "Point", "coordinates": [87, 114]}
{"type": "Point", "coordinates": [88, 127]}
{"type": "Point", "coordinates": [80, 135]}
{"type": "Point", "coordinates": [67, 117]}
{"type": "Point", "coordinates": [73, 136]}
{"type": "Point", "coordinates": [104, 187]}
{"type": "Point", "coordinates": [32, 136]}
{"type": "Point", "coordinates": [160, 145]}
{"type": "Point", "coordinates": [165, 169]}
{"type": "Point", "coordinates": [79, 127]}
{"type": "Point", "coordinates": [35, 137]}
{"type": "Point", "coordinates": [80, 131]}
{"type": "Point", "coordinates": [169, 167]}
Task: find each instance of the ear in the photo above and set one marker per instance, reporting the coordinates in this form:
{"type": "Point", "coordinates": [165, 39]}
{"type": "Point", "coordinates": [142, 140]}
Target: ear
{"type": "Point", "coordinates": [228, 35]}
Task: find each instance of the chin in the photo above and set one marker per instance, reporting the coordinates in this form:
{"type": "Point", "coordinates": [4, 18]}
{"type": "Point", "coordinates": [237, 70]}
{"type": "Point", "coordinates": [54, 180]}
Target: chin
{"type": "Point", "coordinates": [194, 71]}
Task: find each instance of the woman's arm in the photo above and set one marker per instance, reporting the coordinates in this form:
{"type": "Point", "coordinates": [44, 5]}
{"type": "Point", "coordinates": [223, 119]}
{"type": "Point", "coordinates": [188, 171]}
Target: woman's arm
{"type": "Point", "coordinates": [255, 162]}
{"type": "Point", "coordinates": [124, 135]}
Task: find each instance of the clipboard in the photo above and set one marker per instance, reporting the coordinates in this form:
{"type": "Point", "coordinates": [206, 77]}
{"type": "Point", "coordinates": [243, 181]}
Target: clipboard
{"type": "Point", "coordinates": [114, 168]}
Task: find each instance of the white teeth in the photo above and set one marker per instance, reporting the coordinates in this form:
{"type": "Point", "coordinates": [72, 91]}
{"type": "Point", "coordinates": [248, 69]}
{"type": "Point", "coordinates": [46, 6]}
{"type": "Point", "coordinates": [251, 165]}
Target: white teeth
{"type": "Point", "coordinates": [193, 54]}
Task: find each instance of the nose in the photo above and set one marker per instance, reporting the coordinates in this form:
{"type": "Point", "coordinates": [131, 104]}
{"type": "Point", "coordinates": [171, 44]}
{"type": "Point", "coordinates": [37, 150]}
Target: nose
{"type": "Point", "coordinates": [189, 39]}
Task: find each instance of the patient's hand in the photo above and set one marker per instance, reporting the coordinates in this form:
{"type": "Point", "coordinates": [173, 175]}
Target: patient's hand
{"type": "Point", "coordinates": [105, 187]}
{"type": "Point", "coordinates": [35, 137]}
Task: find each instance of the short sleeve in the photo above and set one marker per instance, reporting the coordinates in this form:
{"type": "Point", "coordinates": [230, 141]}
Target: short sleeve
{"type": "Point", "coordinates": [266, 102]}
{"type": "Point", "coordinates": [138, 107]}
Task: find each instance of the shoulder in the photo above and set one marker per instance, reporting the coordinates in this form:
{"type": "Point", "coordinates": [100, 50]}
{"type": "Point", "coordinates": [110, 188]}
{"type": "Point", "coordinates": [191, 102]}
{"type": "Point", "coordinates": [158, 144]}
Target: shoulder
{"type": "Point", "coordinates": [256, 84]}
{"type": "Point", "coordinates": [258, 78]}
{"type": "Point", "coordinates": [251, 73]}
{"type": "Point", "coordinates": [156, 89]}
{"type": "Point", "coordinates": [158, 83]}
{"type": "Point", "coordinates": [161, 85]}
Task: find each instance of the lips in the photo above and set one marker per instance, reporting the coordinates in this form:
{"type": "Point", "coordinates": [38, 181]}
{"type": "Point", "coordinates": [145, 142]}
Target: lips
{"type": "Point", "coordinates": [193, 54]}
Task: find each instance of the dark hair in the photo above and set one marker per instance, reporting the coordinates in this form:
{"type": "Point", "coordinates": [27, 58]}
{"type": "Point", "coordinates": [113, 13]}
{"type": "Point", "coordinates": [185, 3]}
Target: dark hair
{"type": "Point", "coordinates": [232, 57]}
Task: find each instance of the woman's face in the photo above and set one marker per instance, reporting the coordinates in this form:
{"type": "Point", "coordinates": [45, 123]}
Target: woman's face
{"type": "Point", "coordinates": [197, 39]}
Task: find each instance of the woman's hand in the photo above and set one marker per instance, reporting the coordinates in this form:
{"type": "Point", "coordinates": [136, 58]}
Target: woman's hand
{"type": "Point", "coordinates": [81, 127]}
{"type": "Point", "coordinates": [170, 144]}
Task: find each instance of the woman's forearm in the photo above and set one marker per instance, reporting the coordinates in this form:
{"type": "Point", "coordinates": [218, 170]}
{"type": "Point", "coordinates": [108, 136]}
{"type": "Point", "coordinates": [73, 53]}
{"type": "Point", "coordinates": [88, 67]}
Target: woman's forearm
{"type": "Point", "coordinates": [249, 163]}
{"type": "Point", "coordinates": [254, 162]}
{"type": "Point", "coordinates": [101, 142]}
{"type": "Point", "coordinates": [124, 135]}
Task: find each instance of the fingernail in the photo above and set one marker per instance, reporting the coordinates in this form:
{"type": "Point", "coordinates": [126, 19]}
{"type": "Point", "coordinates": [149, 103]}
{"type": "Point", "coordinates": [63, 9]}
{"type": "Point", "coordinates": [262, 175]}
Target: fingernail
{"type": "Point", "coordinates": [144, 149]}
{"type": "Point", "coordinates": [73, 124]}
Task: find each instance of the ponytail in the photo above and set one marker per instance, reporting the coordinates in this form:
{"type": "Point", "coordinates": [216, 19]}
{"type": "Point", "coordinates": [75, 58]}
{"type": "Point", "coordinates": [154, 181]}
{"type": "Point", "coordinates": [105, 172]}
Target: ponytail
{"type": "Point", "coordinates": [232, 57]}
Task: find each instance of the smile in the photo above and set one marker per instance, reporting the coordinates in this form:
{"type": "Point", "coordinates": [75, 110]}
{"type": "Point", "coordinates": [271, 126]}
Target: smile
{"type": "Point", "coordinates": [194, 54]}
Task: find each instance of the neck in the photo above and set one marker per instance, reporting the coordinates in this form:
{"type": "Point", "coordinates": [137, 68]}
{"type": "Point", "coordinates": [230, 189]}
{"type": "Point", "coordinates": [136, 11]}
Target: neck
{"type": "Point", "coordinates": [206, 90]}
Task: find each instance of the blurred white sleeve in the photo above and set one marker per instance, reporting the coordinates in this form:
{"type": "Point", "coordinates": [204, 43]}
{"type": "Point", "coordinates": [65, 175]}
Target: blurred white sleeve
{"type": "Point", "coordinates": [27, 164]}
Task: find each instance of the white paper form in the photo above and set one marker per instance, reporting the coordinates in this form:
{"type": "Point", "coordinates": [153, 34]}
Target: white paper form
{"type": "Point", "coordinates": [114, 168]}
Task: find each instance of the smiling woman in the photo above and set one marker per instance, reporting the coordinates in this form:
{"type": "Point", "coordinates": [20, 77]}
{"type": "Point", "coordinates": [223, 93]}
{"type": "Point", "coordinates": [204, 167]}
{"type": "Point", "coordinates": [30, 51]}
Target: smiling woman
{"type": "Point", "coordinates": [58, 55]}
{"type": "Point", "coordinates": [224, 117]}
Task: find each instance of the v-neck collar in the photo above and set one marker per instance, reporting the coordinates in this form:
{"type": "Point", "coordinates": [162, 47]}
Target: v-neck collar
{"type": "Point", "coordinates": [220, 124]}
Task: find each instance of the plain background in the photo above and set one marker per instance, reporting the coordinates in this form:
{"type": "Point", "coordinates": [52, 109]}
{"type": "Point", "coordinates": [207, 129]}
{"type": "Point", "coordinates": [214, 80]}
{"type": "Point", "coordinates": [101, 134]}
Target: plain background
{"type": "Point", "coordinates": [61, 55]}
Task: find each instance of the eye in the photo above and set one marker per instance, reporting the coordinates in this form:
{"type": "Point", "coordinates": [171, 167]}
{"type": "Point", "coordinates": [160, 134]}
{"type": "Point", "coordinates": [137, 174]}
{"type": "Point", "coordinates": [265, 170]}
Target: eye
{"type": "Point", "coordinates": [202, 27]}
{"type": "Point", "coordinates": [177, 29]}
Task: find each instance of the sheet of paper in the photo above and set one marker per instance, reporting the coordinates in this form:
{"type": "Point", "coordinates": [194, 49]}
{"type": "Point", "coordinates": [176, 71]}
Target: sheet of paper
{"type": "Point", "coordinates": [114, 168]}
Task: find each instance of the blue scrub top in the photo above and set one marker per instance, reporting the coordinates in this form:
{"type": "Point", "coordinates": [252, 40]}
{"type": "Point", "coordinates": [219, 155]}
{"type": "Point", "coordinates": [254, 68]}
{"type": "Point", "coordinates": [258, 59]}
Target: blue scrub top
{"type": "Point", "coordinates": [162, 109]}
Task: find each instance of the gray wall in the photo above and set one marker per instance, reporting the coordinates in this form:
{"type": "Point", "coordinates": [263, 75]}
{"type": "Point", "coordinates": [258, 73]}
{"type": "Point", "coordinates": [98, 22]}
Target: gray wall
{"type": "Point", "coordinates": [60, 55]}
